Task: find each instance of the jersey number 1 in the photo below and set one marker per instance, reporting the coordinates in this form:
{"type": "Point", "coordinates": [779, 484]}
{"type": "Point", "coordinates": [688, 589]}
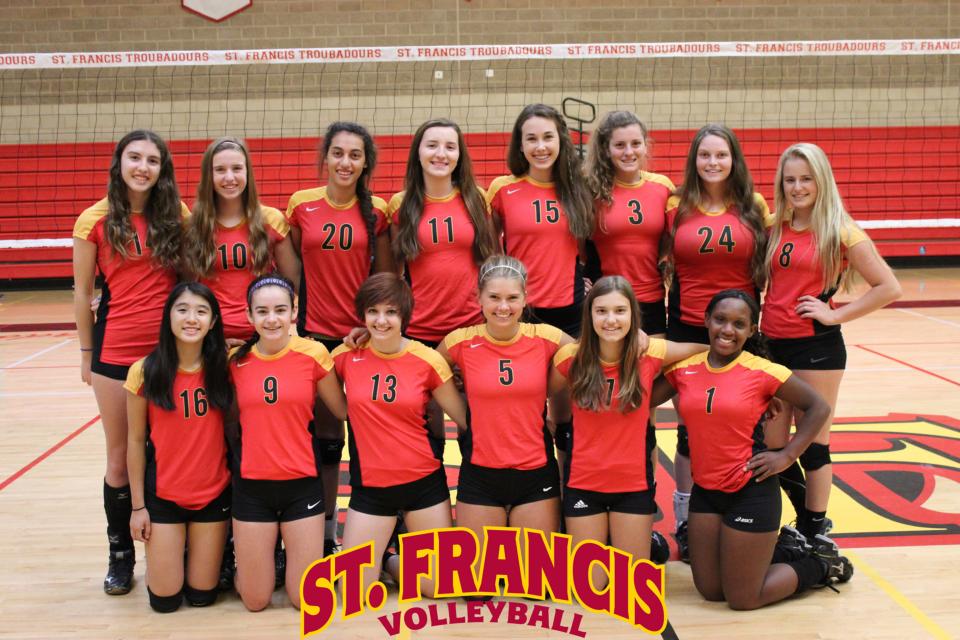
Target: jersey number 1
{"type": "Point", "coordinates": [710, 393]}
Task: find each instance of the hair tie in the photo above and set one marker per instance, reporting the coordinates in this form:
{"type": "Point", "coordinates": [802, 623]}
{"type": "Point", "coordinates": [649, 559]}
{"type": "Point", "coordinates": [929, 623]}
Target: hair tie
{"type": "Point", "coordinates": [483, 274]}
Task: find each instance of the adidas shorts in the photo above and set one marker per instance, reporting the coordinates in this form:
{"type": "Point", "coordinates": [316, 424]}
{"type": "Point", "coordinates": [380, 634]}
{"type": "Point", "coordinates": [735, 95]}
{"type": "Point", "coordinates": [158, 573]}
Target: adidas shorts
{"type": "Point", "coordinates": [507, 487]}
{"type": "Point", "coordinates": [581, 502]}
{"type": "Point", "coordinates": [277, 500]}
{"type": "Point", "coordinates": [755, 508]}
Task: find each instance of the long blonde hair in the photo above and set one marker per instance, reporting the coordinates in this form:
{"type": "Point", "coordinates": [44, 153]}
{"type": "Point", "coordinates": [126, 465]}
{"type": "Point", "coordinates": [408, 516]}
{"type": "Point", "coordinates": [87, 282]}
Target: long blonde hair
{"type": "Point", "coordinates": [200, 250]}
{"type": "Point", "coordinates": [828, 219]}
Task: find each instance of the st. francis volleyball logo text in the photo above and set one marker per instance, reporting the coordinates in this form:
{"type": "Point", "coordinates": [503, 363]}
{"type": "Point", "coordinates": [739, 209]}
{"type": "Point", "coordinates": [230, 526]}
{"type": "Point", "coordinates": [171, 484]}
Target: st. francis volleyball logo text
{"type": "Point", "coordinates": [508, 562]}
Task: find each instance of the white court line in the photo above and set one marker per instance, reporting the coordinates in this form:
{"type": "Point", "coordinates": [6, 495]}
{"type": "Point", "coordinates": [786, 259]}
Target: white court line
{"type": "Point", "coordinates": [920, 315]}
{"type": "Point", "coordinates": [900, 368]}
{"type": "Point", "coordinates": [36, 355]}
{"type": "Point", "coordinates": [44, 394]}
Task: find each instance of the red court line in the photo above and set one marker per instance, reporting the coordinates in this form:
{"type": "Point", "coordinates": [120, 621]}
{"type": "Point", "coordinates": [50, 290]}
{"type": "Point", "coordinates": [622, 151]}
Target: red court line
{"type": "Point", "coordinates": [907, 364]}
{"type": "Point", "coordinates": [46, 454]}
{"type": "Point", "coordinates": [38, 326]}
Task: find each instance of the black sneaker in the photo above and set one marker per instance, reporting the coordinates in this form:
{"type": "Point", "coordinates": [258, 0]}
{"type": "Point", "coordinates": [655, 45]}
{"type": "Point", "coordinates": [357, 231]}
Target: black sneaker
{"type": "Point", "coordinates": [838, 567]}
{"type": "Point", "coordinates": [280, 575]}
{"type": "Point", "coordinates": [791, 545]}
{"type": "Point", "coordinates": [119, 580]}
{"type": "Point", "coordinates": [659, 549]}
{"type": "Point", "coordinates": [330, 547]}
{"type": "Point", "coordinates": [683, 545]}
{"type": "Point", "coordinates": [826, 527]}
{"type": "Point", "coordinates": [228, 570]}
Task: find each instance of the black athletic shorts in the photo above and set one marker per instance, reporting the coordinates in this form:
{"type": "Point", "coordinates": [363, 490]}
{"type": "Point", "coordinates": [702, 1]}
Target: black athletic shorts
{"type": "Point", "coordinates": [821, 352]}
{"type": "Point", "coordinates": [507, 487]}
{"type": "Point", "coordinates": [277, 500]}
{"type": "Point", "coordinates": [167, 512]}
{"type": "Point", "coordinates": [561, 438]}
{"type": "Point", "coordinates": [426, 492]}
{"type": "Point", "coordinates": [653, 317]}
{"type": "Point", "coordinates": [755, 508]}
{"type": "Point", "coordinates": [678, 331]}
{"type": "Point", "coordinates": [581, 502]}
{"type": "Point", "coordinates": [567, 319]}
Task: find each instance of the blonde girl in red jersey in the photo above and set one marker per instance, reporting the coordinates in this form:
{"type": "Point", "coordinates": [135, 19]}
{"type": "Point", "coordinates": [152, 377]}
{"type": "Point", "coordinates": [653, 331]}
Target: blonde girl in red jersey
{"type": "Point", "coordinates": [508, 474]}
{"type": "Point", "coordinates": [231, 237]}
{"type": "Point", "coordinates": [630, 205]}
{"type": "Point", "coordinates": [395, 466]}
{"type": "Point", "coordinates": [717, 242]}
{"type": "Point", "coordinates": [545, 212]}
{"type": "Point", "coordinates": [276, 482]}
{"type": "Point", "coordinates": [177, 454]}
{"type": "Point", "coordinates": [132, 237]}
{"type": "Point", "coordinates": [609, 490]}
{"type": "Point", "coordinates": [735, 505]}
{"type": "Point", "coordinates": [441, 231]}
{"type": "Point", "coordinates": [814, 243]}
{"type": "Point", "coordinates": [340, 231]}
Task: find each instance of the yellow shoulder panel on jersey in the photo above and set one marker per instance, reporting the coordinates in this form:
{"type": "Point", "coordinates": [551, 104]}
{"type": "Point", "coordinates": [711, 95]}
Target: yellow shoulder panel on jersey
{"type": "Point", "coordinates": [762, 207]}
{"type": "Point", "coordinates": [463, 334]}
{"type": "Point", "coordinates": [89, 218]}
{"type": "Point", "coordinates": [313, 349]}
{"type": "Point", "coordinates": [757, 363]}
{"type": "Point", "coordinates": [184, 210]}
{"type": "Point", "coordinates": [393, 206]}
{"type": "Point", "coordinates": [305, 195]}
{"type": "Point", "coordinates": [565, 352]}
{"type": "Point", "coordinates": [340, 349]}
{"type": "Point", "coordinates": [851, 234]}
{"type": "Point", "coordinates": [673, 202]}
{"type": "Point", "coordinates": [379, 204]}
{"type": "Point", "coordinates": [696, 359]}
{"type": "Point", "coordinates": [431, 357]}
{"type": "Point", "coordinates": [134, 382]}
{"type": "Point", "coordinates": [657, 348]}
{"type": "Point", "coordinates": [547, 332]}
{"type": "Point", "coordinates": [659, 179]}
{"type": "Point", "coordinates": [497, 184]}
{"type": "Point", "coordinates": [275, 219]}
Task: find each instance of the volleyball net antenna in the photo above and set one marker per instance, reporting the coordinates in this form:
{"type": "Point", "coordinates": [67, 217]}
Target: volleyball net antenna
{"type": "Point", "coordinates": [886, 111]}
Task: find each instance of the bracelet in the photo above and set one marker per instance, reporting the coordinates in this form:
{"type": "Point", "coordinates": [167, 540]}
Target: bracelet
{"type": "Point", "coordinates": [82, 349]}
{"type": "Point", "coordinates": [140, 509]}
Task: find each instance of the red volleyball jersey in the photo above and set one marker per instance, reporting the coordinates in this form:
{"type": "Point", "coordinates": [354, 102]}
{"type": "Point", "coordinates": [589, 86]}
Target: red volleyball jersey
{"type": "Point", "coordinates": [387, 396]}
{"type": "Point", "coordinates": [443, 276]}
{"type": "Point", "coordinates": [536, 232]}
{"type": "Point", "coordinates": [232, 269]}
{"type": "Point", "coordinates": [275, 395]}
{"type": "Point", "coordinates": [335, 249]}
{"type": "Point", "coordinates": [186, 448]}
{"type": "Point", "coordinates": [723, 410]}
{"type": "Point", "coordinates": [134, 291]}
{"type": "Point", "coordinates": [711, 252]}
{"type": "Point", "coordinates": [628, 233]}
{"type": "Point", "coordinates": [506, 385]}
{"type": "Point", "coordinates": [796, 271]}
{"type": "Point", "coordinates": [608, 451]}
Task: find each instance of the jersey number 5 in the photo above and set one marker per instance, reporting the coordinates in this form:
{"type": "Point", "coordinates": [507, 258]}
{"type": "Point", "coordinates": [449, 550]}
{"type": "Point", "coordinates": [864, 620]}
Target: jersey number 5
{"type": "Point", "coordinates": [506, 373]}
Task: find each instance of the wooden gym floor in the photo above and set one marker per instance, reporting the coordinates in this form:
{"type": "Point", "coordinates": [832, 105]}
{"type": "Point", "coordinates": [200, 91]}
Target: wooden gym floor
{"type": "Point", "coordinates": [896, 501]}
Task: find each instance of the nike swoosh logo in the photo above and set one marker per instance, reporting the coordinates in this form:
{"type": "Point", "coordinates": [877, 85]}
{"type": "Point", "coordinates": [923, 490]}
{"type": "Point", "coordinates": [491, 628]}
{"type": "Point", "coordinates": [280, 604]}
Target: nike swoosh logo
{"type": "Point", "coordinates": [689, 373]}
{"type": "Point", "coordinates": [241, 364]}
{"type": "Point", "coordinates": [311, 209]}
{"type": "Point", "coordinates": [358, 359]}
{"type": "Point", "coordinates": [225, 509]}
{"type": "Point", "coordinates": [548, 488]}
{"type": "Point", "coordinates": [311, 506]}
{"type": "Point", "coordinates": [816, 360]}
{"type": "Point", "coordinates": [474, 346]}
{"type": "Point", "coordinates": [510, 192]}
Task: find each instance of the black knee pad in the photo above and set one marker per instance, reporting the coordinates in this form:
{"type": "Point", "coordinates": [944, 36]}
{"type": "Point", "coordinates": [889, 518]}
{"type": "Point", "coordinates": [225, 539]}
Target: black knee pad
{"type": "Point", "coordinates": [816, 456]}
{"type": "Point", "coordinates": [165, 604]}
{"type": "Point", "coordinates": [331, 450]}
{"type": "Point", "coordinates": [683, 442]}
{"type": "Point", "coordinates": [200, 597]}
{"type": "Point", "coordinates": [562, 435]}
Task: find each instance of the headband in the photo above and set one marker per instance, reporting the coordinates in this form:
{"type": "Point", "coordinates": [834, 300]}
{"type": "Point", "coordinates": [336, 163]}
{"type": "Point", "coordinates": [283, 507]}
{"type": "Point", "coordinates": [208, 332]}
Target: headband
{"type": "Point", "coordinates": [483, 274]}
{"type": "Point", "coordinates": [269, 281]}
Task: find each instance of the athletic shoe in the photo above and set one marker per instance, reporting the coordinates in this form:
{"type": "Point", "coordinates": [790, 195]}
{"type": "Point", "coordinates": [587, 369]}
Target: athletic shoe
{"type": "Point", "coordinates": [228, 570]}
{"type": "Point", "coordinates": [838, 568]}
{"type": "Point", "coordinates": [330, 547]}
{"type": "Point", "coordinates": [280, 575]}
{"type": "Point", "coordinates": [659, 549]}
{"type": "Point", "coordinates": [791, 545]}
{"type": "Point", "coordinates": [119, 580]}
{"type": "Point", "coordinates": [683, 545]}
{"type": "Point", "coordinates": [827, 527]}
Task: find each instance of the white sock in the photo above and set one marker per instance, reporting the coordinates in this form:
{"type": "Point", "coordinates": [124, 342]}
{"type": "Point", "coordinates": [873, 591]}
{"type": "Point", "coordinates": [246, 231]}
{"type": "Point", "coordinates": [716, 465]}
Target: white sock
{"type": "Point", "coordinates": [330, 528]}
{"type": "Point", "coordinates": [681, 506]}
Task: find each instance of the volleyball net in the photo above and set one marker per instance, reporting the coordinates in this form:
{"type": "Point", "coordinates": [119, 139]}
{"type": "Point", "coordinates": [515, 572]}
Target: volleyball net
{"type": "Point", "coordinates": [886, 111]}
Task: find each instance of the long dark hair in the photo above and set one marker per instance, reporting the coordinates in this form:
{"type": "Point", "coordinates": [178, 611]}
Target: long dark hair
{"type": "Point", "coordinates": [364, 196]}
{"type": "Point", "coordinates": [599, 169]}
{"type": "Point", "coordinates": [162, 209]}
{"type": "Point", "coordinates": [200, 249]}
{"type": "Point", "coordinates": [587, 382]}
{"type": "Point", "coordinates": [755, 344]}
{"type": "Point", "coordinates": [160, 367]}
{"type": "Point", "coordinates": [567, 178]}
{"type": "Point", "coordinates": [406, 246]}
{"type": "Point", "coordinates": [266, 280]}
{"type": "Point", "coordinates": [739, 190]}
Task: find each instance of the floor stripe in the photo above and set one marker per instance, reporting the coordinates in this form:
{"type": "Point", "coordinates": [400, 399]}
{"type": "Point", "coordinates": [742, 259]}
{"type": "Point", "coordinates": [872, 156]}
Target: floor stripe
{"type": "Point", "coordinates": [37, 354]}
{"type": "Point", "coordinates": [950, 323]}
{"type": "Point", "coordinates": [907, 364]}
{"type": "Point", "coordinates": [46, 454]}
{"type": "Point", "coordinates": [669, 633]}
{"type": "Point", "coordinates": [932, 627]}
{"type": "Point", "coordinates": [44, 394]}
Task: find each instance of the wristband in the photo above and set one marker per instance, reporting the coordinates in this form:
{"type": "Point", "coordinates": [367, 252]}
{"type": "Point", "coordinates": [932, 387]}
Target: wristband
{"type": "Point", "coordinates": [84, 350]}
